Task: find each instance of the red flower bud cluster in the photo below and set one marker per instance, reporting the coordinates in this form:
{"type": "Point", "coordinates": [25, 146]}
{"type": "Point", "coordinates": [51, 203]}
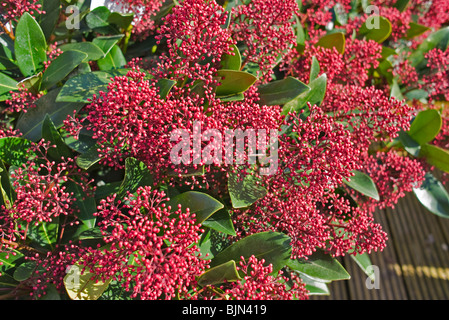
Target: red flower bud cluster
{"type": "Point", "coordinates": [150, 246]}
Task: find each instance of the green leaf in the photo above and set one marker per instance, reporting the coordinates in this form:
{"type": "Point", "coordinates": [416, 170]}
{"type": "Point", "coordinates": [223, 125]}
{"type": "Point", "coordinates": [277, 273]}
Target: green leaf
{"type": "Point", "coordinates": [91, 49]}
{"type": "Point", "coordinates": [433, 196]}
{"type": "Point", "coordinates": [89, 158]}
{"type": "Point", "coordinates": [6, 53]}
{"type": "Point", "coordinates": [24, 271]}
{"type": "Point", "coordinates": [438, 39]}
{"type": "Point", "coordinates": [9, 260]}
{"type": "Point", "coordinates": [106, 43]}
{"type": "Point", "coordinates": [425, 126]}
{"type": "Point", "coordinates": [201, 204]}
{"type": "Point", "coordinates": [314, 69]}
{"type": "Point", "coordinates": [244, 191]}
{"type": "Point", "coordinates": [410, 145]}
{"type": "Point", "coordinates": [164, 85]}
{"type": "Point", "coordinates": [30, 123]}
{"type": "Point", "coordinates": [48, 19]}
{"type": "Point", "coordinates": [401, 4]}
{"type": "Point", "coordinates": [435, 156]}
{"type": "Point", "coordinates": [220, 221]}
{"type": "Point", "coordinates": [98, 20]}
{"type": "Point", "coordinates": [364, 262]}
{"type": "Point", "coordinates": [84, 285]}
{"type": "Point", "coordinates": [30, 46]}
{"type": "Point", "coordinates": [7, 84]}
{"type": "Point", "coordinates": [136, 175]}
{"type": "Point", "coordinates": [15, 151]}
{"type": "Point", "coordinates": [320, 266]}
{"type": "Point", "coordinates": [396, 91]}
{"type": "Point", "coordinates": [315, 96]}
{"type": "Point", "coordinates": [122, 20]}
{"type": "Point", "coordinates": [281, 91]}
{"type": "Point", "coordinates": [233, 82]}
{"type": "Point", "coordinates": [415, 30]}
{"type": "Point", "coordinates": [273, 247]}
{"type": "Point", "coordinates": [7, 189]}
{"type": "Point", "coordinates": [113, 60]}
{"type": "Point", "coordinates": [362, 183]}
{"type": "Point", "coordinates": [378, 33]}
{"type": "Point", "coordinates": [334, 40]}
{"type": "Point", "coordinates": [219, 274]}
{"type": "Point", "coordinates": [61, 67]}
{"type": "Point", "coordinates": [51, 134]}
{"type": "Point", "coordinates": [44, 233]}
{"type": "Point", "coordinates": [233, 60]}
{"type": "Point", "coordinates": [314, 286]}
{"type": "Point", "coordinates": [85, 204]}
{"type": "Point", "coordinates": [82, 88]}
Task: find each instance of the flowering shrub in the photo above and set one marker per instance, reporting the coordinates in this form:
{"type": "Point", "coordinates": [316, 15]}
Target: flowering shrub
{"type": "Point", "coordinates": [119, 176]}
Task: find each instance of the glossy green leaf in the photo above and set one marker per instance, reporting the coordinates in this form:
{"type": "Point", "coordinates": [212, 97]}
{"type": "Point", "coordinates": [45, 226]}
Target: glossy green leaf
{"type": "Point", "coordinates": [314, 286]}
{"type": "Point", "coordinates": [7, 61]}
{"type": "Point", "coordinates": [410, 145]}
{"type": "Point", "coordinates": [233, 82]}
{"type": "Point", "coordinates": [433, 196]}
{"type": "Point", "coordinates": [30, 123]}
{"type": "Point", "coordinates": [14, 150]}
{"type": "Point", "coordinates": [362, 183]}
{"type": "Point", "coordinates": [25, 271]}
{"type": "Point", "coordinates": [7, 190]}
{"type": "Point", "coordinates": [32, 84]}
{"type": "Point", "coordinates": [314, 69]}
{"type": "Point", "coordinates": [244, 191]}
{"type": "Point", "coordinates": [233, 60]}
{"type": "Point", "coordinates": [49, 16]}
{"type": "Point", "coordinates": [98, 20]}
{"type": "Point", "coordinates": [61, 67]}
{"type": "Point", "coordinates": [106, 43]}
{"type": "Point", "coordinates": [378, 33]}
{"type": "Point", "coordinates": [364, 262]}
{"type": "Point", "coordinates": [8, 260]}
{"type": "Point", "coordinates": [425, 126]}
{"type": "Point", "coordinates": [333, 40]}
{"type": "Point", "coordinates": [315, 96]}
{"type": "Point", "coordinates": [30, 46]}
{"type": "Point", "coordinates": [435, 156]}
{"type": "Point", "coordinates": [82, 88]}
{"type": "Point", "coordinates": [84, 285]}
{"type": "Point", "coordinates": [199, 203]}
{"type": "Point", "coordinates": [113, 60]}
{"type": "Point", "coordinates": [219, 274]}
{"type": "Point", "coordinates": [220, 221]}
{"type": "Point", "coordinates": [437, 39]}
{"type": "Point", "coordinates": [164, 86]}
{"type": "Point", "coordinates": [136, 175]}
{"type": "Point", "coordinates": [91, 49]}
{"type": "Point", "coordinates": [51, 134]}
{"type": "Point", "coordinates": [401, 4]}
{"type": "Point", "coordinates": [89, 158]}
{"type": "Point", "coordinates": [122, 20]}
{"type": "Point", "coordinates": [44, 234]}
{"type": "Point", "coordinates": [415, 30]}
{"type": "Point", "coordinates": [85, 204]}
{"type": "Point", "coordinates": [320, 266]}
{"type": "Point", "coordinates": [281, 91]}
{"type": "Point", "coordinates": [273, 247]}
{"type": "Point", "coordinates": [7, 84]}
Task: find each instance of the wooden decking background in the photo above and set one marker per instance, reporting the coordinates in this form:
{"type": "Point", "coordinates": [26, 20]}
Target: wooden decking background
{"type": "Point", "coordinates": [413, 266]}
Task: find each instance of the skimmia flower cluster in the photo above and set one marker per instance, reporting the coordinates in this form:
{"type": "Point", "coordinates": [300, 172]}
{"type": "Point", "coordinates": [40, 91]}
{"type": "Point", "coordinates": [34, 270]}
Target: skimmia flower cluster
{"type": "Point", "coordinates": [197, 149]}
